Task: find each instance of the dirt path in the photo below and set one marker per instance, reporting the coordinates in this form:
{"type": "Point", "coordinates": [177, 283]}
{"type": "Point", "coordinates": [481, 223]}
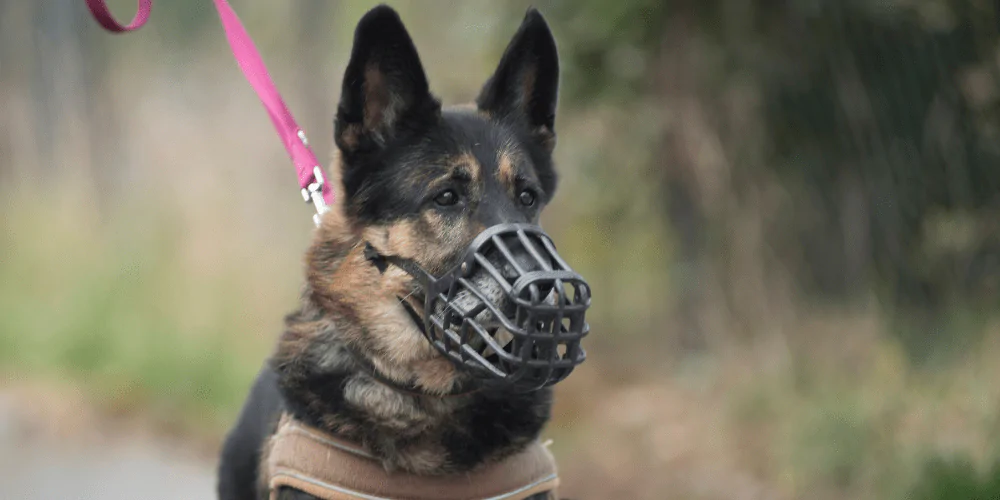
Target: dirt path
{"type": "Point", "coordinates": [52, 451]}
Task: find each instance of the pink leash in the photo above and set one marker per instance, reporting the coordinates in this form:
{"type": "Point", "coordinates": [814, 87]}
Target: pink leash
{"type": "Point", "coordinates": [314, 189]}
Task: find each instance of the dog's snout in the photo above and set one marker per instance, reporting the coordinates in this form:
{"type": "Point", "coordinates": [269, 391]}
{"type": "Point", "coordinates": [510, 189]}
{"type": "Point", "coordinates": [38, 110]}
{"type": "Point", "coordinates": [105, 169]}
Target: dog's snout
{"type": "Point", "coordinates": [531, 262]}
{"type": "Point", "coordinates": [513, 306]}
{"type": "Point", "coordinates": [520, 257]}
{"type": "Point", "coordinates": [510, 272]}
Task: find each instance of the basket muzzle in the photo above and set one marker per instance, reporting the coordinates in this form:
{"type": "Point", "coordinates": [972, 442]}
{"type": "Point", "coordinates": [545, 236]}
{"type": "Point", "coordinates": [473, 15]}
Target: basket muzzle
{"type": "Point", "coordinates": [511, 312]}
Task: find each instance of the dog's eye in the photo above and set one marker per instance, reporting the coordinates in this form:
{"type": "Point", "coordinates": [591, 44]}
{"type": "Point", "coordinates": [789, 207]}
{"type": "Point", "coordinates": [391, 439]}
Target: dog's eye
{"type": "Point", "coordinates": [527, 198]}
{"type": "Point", "coordinates": [446, 198]}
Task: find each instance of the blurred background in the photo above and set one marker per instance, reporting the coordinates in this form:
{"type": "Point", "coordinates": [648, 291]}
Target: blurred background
{"type": "Point", "coordinates": [788, 212]}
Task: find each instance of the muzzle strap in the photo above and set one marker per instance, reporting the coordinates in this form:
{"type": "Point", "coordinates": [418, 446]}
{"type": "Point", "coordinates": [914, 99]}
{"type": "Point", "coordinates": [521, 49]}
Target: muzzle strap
{"type": "Point", "coordinates": [382, 262]}
{"type": "Point", "coordinates": [378, 260]}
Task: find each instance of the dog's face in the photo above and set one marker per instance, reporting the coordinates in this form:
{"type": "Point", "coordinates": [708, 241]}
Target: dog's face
{"type": "Point", "coordinates": [420, 182]}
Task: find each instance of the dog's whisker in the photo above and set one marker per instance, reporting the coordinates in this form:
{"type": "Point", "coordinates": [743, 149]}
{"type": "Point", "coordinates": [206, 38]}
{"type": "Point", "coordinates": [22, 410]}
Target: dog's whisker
{"type": "Point", "coordinates": [405, 297]}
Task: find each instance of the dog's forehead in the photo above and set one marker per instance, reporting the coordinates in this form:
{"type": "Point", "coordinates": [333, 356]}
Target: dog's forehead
{"type": "Point", "coordinates": [465, 144]}
{"type": "Point", "coordinates": [492, 145]}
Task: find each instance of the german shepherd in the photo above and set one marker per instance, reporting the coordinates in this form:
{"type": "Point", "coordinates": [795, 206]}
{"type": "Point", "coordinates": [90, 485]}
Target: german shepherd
{"type": "Point", "coordinates": [417, 180]}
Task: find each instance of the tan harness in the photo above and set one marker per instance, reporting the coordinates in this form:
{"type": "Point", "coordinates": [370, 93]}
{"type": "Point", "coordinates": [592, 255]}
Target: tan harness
{"type": "Point", "coordinates": [312, 461]}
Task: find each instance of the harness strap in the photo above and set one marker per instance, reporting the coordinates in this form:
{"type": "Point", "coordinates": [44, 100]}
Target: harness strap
{"type": "Point", "coordinates": [312, 461]}
{"type": "Point", "coordinates": [314, 188]}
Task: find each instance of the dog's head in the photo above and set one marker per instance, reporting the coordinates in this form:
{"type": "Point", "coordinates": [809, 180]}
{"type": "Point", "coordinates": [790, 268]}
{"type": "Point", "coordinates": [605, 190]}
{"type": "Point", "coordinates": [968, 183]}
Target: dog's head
{"type": "Point", "coordinates": [420, 182]}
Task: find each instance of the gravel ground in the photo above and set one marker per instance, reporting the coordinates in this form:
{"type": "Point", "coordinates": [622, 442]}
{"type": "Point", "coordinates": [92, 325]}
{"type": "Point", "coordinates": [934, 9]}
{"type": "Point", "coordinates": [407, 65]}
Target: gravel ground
{"type": "Point", "coordinates": [44, 454]}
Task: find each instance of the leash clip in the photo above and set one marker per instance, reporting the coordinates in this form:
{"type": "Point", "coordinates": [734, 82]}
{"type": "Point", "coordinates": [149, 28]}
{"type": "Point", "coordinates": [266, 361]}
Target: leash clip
{"type": "Point", "coordinates": [313, 193]}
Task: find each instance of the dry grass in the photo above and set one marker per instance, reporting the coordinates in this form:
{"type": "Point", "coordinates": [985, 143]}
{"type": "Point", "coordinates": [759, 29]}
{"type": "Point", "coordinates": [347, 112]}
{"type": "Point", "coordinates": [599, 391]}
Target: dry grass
{"type": "Point", "coordinates": [838, 422]}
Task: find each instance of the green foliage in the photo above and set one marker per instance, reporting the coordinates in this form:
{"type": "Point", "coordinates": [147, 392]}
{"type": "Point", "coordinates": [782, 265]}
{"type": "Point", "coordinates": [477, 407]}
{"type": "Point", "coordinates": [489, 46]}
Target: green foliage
{"type": "Point", "coordinates": [115, 319]}
{"type": "Point", "coordinates": [879, 100]}
{"type": "Point", "coordinates": [879, 120]}
{"type": "Point", "coordinates": [956, 479]}
{"type": "Point", "coordinates": [609, 44]}
{"type": "Point", "coordinates": [839, 442]}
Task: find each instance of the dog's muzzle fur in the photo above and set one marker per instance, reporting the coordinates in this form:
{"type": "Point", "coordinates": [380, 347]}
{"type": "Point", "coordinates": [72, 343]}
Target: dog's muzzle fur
{"type": "Point", "coordinates": [511, 312]}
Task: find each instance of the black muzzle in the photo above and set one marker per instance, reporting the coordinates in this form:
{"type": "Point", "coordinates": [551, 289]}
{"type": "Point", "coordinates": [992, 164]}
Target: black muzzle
{"type": "Point", "coordinates": [511, 312]}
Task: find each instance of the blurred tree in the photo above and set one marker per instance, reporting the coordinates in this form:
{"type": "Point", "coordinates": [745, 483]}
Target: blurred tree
{"type": "Point", "coordinates": [59, 73]}
{"type": "Point", "coordinates": [877, 106]}
{"type": "Point", "coordinates": [314, 34]}
{"type": "Point", "coordinates": [956, 479]}
{"type": "Point", "coordinates": [876, 118]}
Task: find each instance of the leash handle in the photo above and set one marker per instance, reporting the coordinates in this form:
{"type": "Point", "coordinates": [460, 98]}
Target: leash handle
{"type": "Point", "coordinates": [99, 8]}
{"type": "Point", "coordinates": [315, 189]}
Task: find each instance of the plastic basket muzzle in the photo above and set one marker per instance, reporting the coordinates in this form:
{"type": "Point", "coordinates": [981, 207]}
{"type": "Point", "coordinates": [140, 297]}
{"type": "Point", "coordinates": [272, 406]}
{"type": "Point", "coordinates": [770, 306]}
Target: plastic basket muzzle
{"type": "Point", "coordinates": [543, 314]}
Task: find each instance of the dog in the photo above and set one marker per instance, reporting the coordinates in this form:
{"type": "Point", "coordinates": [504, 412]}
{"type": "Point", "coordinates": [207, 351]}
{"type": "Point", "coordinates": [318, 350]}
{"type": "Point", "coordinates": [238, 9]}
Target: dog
{"type": "Point", "coordinates": [414, 179]}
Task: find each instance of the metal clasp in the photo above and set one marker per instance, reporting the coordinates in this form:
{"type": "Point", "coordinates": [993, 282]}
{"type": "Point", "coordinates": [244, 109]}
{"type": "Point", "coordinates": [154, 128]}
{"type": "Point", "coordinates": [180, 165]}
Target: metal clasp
{"type": "Point", "coordinates": [313, 193]}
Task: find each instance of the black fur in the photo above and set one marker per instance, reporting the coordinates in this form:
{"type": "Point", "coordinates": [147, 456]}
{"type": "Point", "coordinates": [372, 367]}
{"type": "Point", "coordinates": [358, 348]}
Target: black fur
{"type": "Point", "coordinates": [495, 420]}
{"type": "Point", "coordinates": [398, 151]}
{"type": "Point", "coordinates": [387, 184]}
{"type": "Point", "coordinates": [241, 452]}
{"type": "Point", "coordinates": [526, 83]}
{"type": "Point", "coordinates": [380, 158]}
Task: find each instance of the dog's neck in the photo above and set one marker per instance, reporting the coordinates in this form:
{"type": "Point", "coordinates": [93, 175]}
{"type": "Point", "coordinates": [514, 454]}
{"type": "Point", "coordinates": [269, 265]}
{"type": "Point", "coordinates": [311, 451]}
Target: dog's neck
{"type": "Point", "coordinates": [324, 385]}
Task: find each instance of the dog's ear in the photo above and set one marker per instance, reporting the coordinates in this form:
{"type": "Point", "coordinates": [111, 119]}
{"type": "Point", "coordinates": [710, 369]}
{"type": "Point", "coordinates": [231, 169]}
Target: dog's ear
{"type": "Point", "coordinates": [525, 85]}
{"type": "Point", "coordinates": [385, 88]}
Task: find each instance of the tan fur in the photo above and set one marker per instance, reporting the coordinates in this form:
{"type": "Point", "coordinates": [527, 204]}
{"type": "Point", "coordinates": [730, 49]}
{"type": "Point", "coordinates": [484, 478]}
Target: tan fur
{"type": "Point", "coordinates": [357, 290]}
{"type": "Point", "coordinates": [352, 332]}
{"type": "Point", "coordinates": [465, 163]}
{"type": "Point", "coordinates": [429, 457]}
{"type": "Point", "coordinates": [298, 339]}
{"type": "Point", "coordinates": [378, 102]}
{"type": "Point", "coordinates": [469, 164]}
{"type": "Point", "coordinates": [350, 285]}
{"type": "Point", "coordinates": [392, 408]}
{"type": "Point", "coordinates": [347, 283]}
{"type": "Point", "coordinates": [334, 176]}
{"type": "Point", "coordinates": [506, 171]}
{"type": "Point", "coordinates": [528, 82]}
{"type": "Point", "coordinates": [402, 350]}
{"type": "Point", "coordinates": [402, 239]}
{"type": "Point", "coordinates": [431, 240]}
{"type": "Point", "coordinates": [351, 136]}
{"type": "Point", "coordinates": [449, 234]}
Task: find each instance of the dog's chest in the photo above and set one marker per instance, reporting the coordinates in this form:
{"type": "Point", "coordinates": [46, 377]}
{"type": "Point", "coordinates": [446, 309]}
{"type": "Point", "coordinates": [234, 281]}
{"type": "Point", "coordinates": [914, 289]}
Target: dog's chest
{"type": "Point", "coordinates": [308, 460]}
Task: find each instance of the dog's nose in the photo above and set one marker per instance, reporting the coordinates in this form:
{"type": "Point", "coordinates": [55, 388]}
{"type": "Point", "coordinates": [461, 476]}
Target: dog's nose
{"type": "Point", "coordinates": [509, 272]}
{"type": "Point", "coordinates": [519, 259]}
